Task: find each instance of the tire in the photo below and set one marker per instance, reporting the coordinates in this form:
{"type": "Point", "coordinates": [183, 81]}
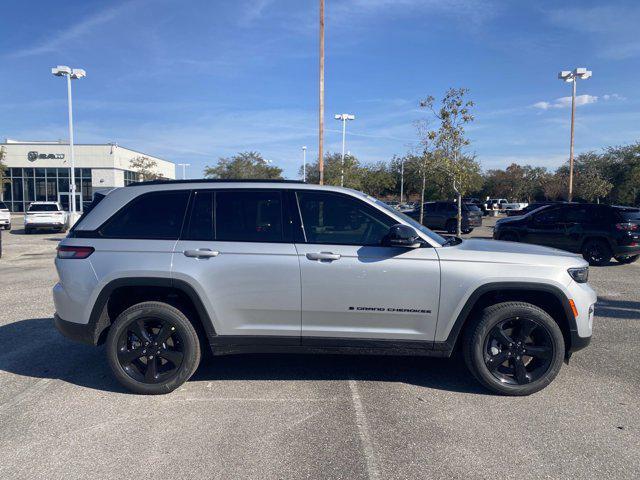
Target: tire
{"type": "Point", "coordinates": [147, 372]}
{"type": "Point", "coordinates": [451, 226]}
{"type": "Point", "coordinates": [27, 231]}
{"type": "Point", "coordinates": [596, 252]}
{"type": "Point", "coordinates": [483, 349]}
{"type": "Point", "coordinates": [627, 260]}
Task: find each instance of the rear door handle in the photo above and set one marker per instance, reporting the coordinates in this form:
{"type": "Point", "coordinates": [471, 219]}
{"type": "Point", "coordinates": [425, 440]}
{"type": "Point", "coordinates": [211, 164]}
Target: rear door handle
{"type": "Point", "coordinates": [328, 256]}
{"type": "Point", "coordinates": [201, 253]}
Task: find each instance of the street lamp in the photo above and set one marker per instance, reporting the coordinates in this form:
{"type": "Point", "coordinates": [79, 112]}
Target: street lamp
{"type": "Point", "coordinates": [401, 179]}
{"type": "Point", "coordinates": [304, 163]}
{"type": "Point", "coordinates": [343, 117]}
{"type": "Point", "coordinates": [184, 172]}
{"type": "Point", "coordinates": [572, 77]}
{"type": "Point", "coordinates": [70, 73]}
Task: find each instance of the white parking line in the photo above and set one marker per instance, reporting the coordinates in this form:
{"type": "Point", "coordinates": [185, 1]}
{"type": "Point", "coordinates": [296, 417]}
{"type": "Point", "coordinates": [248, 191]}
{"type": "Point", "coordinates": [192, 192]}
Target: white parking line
{"type": "Point", "coordinates": [364, 432]}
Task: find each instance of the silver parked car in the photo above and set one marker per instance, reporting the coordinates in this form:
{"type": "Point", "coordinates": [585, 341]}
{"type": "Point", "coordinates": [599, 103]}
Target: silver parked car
{"type": "Point", "coordinates": [159, 271]}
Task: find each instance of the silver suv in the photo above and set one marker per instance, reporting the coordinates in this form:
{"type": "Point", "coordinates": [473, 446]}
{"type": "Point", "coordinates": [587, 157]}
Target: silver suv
{"type": "Point", "coordinates": [160, 271]}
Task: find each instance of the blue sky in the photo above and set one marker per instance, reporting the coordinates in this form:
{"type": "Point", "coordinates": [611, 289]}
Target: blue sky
{"type": "Point", "coordinates": [192, 81]}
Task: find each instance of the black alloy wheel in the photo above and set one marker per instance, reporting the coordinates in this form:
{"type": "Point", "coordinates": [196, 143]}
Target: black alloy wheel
{"type": "Point", "coordinates": [150, 350]}
{"type": "Point", "coordinates": [596, 252]}
{"type": "Point", "coordinates": [153, 348]}
{"type": "Point", "coordinates": [514, 348]}
{"type": "Point", "coordinates": [518, 351]}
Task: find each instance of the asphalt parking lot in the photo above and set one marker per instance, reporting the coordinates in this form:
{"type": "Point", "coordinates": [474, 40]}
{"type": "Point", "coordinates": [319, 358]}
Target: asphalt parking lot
{"type": "Point", "coordinates": [62, 415]}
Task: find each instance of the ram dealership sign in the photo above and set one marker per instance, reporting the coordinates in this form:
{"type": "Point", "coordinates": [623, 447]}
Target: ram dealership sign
{"type": "Point", "coordinates": [33, 156]}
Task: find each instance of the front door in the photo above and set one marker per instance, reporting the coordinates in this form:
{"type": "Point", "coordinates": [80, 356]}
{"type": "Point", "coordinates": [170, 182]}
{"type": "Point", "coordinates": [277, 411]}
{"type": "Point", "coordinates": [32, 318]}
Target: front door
{"type": "Point", "coordinates": [352, 286]}
{"type": "Point", "coordinates": [236, 252]}
{"type": "Point", "coordinates": [546, 228]}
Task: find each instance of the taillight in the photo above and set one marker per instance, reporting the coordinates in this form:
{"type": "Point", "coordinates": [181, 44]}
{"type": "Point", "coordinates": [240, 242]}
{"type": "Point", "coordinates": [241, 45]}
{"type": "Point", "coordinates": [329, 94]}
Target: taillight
{"type": "Point", "coordinates": [627, 227]}
{"type": "Point", "coordinates": [69, 252]}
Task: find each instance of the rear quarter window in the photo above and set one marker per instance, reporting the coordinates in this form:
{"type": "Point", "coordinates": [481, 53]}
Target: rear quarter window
{"type": "Point", "coordinates": [152, 216]}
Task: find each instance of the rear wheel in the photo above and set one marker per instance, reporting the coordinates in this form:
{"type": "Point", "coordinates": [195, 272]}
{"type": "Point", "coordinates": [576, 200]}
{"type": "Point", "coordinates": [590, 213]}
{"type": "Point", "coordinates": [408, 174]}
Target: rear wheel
{"type": "Point", "coordinates": [514, 348]}
{"type": "Point", "coordinates": [452, 226]}
{"type": "Point", "coordinates": [152, 348]}
{"type": "Point", "coordinates": [596, 252]}
{"type": "Point", "coordinates": [467, 230]}
{"type": "Point", "coordinates": [628, 259]}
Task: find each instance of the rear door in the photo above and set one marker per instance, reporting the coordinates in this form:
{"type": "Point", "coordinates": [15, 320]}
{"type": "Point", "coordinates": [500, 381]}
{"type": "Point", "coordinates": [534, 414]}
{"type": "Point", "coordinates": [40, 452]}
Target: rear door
{"type": "Point", "coordinates": [352, 285]}
{"type": "Point", "coordinates": [236, 251]}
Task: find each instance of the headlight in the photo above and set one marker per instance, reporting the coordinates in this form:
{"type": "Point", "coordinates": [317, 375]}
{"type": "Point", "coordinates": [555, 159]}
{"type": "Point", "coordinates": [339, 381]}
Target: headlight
{"type": "Point", "coordinates": [580, 275]}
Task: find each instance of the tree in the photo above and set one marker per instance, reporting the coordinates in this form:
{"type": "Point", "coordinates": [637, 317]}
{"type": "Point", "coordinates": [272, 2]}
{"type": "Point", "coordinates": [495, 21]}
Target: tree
{"type": "Point", "coordinates": [145, 167]}
{"type": "Point", "coordinates": [244, 165]}
{"type": "Point", "coordinates": [444, 147]}
{"type": "Point", "coordinates": [3, 172]}
{"type": "Point", "coordinates": [333, 169]}
{"type": "Point", "coordinates": [377, 179]}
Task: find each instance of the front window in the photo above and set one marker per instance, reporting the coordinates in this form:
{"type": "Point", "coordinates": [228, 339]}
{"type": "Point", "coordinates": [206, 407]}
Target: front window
{"type": "Point", "coordinates": [330, 218]}
{"type": "Point", "coordinates": [407, 219]}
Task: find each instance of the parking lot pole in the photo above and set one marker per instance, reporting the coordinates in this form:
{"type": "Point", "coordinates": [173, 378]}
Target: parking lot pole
{"type": "Point", "coordinates": [72, 185]}
{"type": "Point", "coordinates": [573, 116]}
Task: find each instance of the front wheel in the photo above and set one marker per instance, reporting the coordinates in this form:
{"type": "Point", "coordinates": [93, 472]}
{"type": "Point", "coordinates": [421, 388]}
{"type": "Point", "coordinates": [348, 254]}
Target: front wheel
{"type": "Point", "coordinates": [628, 259]}
{"type": "Point", "coordinates": [152, 348]}
{"type": "Point", "coordinates": [514, 348]}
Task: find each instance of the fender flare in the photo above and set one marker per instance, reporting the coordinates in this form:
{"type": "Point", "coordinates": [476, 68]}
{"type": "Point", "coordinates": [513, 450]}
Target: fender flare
{"type": "Point", "coordinates": [456, 330]}
{"type": "Point", "coordinates": [99, 319]}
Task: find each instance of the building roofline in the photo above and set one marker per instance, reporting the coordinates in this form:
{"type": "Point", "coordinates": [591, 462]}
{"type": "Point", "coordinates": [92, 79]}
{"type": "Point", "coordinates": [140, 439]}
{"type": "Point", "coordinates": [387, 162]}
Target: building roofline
{"type": "Point", "coordinates": [8, 141]}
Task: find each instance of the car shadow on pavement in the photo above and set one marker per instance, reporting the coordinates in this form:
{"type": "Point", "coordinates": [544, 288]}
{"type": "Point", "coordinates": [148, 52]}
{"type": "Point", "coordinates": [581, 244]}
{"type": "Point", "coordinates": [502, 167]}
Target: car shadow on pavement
{"type": "Point", "coordinates": [623, 309]}
{"type": "Point", "coordinates": [34, 348]}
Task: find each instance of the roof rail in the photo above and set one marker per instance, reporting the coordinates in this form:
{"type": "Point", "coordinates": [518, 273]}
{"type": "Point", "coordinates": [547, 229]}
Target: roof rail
{"type": "Point", "coordinates": [208, 180]}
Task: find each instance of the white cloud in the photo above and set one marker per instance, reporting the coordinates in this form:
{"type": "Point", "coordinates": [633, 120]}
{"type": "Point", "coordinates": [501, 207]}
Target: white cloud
{"type": "Point", "coordinates": [68, 34]}
{"type": "Point", "coordinates": [564, 102]}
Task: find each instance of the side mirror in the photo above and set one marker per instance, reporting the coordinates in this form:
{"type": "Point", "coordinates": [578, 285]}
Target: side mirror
{"type": "Point", "coordinates": [402, 236]}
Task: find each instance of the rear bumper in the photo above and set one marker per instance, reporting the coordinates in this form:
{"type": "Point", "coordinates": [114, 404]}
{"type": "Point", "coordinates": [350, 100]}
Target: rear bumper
{"type": "Point", "coordinates": [78, 332]}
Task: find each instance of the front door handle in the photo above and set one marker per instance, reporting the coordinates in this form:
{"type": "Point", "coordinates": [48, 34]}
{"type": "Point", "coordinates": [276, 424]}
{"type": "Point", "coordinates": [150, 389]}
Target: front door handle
{"type": "Point", "coordinates": [327, 256]}
{"type": "Point", "coordinates": [201, 253]}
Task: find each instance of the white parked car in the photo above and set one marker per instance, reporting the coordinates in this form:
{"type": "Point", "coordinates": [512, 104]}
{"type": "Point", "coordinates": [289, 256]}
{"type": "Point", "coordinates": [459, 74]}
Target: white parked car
{"type": "Point", "coordinates": [5, 216]}
{"type": "Point", "coordinates": [45, 215]}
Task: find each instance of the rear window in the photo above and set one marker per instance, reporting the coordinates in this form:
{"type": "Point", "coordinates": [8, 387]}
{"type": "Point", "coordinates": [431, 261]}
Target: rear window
{"type": "Point", "coordinates": [629, 214]}
{"type": "Point", "coordinates": [46, 207]}
{"type": "Point", "coordinates": [470, 207]}
{"type": "Point", "coordinates": [153, 216]}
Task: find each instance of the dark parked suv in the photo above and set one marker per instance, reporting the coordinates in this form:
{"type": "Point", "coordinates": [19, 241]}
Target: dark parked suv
{"type": "Point", "coordinates": [443, 216]}
{"type": "Point", "coordinates": [599, 232]}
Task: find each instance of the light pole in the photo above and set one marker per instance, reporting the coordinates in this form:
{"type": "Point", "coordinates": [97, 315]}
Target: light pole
{"type": "Point", "coordinates": [321, 99]}
{"type": "Point", "coordinates": [304, 163]}
{"type": "Point", "coordinates": [343, 117]}
{"type": "Point", "coordinates": [572, 77]}
{"type": "Point", "coordinates": [401, 179]}
{"type": "Point", "coordinates": [70, 73]}
{"type": "Point", "coordinates": [184, 172]}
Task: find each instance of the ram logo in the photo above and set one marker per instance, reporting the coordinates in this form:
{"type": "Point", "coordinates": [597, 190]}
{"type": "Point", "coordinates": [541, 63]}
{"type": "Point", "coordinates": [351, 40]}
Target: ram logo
{"type": "Point", "coordinates": [33, 156]}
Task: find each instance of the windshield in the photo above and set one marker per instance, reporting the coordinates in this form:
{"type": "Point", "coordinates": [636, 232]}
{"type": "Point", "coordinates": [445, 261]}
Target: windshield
{"type": "Point", "coordinates": [432, 235]}
{"type": "Point", "coordinates": [43, 207]}
{"type": "Point", "coordinates": [471, 207]}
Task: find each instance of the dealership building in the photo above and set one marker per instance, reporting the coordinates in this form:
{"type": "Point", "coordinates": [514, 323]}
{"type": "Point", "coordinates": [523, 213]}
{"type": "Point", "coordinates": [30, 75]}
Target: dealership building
{"type": "Point", "coordinates": [38, 171]}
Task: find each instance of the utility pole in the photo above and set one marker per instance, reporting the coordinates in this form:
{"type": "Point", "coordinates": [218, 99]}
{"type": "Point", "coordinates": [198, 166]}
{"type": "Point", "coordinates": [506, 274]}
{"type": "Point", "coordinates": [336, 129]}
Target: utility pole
{"type": "Point", "coordinates": [321, 113]}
